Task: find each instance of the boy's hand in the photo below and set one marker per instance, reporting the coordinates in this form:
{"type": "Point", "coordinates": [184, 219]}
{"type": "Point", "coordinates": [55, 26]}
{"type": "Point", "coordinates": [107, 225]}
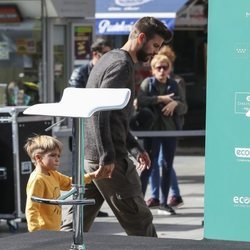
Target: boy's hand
{"type": "Point", "coordinates": [144, 161]}
{"type": "Point", "coordinates": [104, 171]}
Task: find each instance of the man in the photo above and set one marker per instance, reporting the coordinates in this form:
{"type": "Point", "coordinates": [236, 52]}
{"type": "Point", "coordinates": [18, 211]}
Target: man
{"type": "Point", "coordinates": [108, 139]}
{"type": "Point", "coordinates": [80, 77]}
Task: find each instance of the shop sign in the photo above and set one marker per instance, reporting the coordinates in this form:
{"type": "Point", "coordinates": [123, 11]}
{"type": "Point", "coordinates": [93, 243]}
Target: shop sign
{"type": "Point", "coordinates": [116, 17]}
{"type": "Point", "coordinates": [9, 14]}
{"type": "Point", "coordinates": [122, 26]}
{"type": "Point", "coordinates": [133, 8]}
{"type": "Point", "coordinates": [114, 26]}
{"type": "Point", "coordinates": [82, 42]}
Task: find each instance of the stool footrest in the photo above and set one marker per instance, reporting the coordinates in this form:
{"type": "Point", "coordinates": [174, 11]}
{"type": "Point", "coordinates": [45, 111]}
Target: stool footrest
{"type": "Point", "coordinates": [63, 202]}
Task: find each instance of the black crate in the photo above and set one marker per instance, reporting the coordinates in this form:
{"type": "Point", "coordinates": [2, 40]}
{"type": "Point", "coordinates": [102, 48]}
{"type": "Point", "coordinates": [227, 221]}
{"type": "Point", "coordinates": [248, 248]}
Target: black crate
{"type": "Point", "coordinates": [15, 165]}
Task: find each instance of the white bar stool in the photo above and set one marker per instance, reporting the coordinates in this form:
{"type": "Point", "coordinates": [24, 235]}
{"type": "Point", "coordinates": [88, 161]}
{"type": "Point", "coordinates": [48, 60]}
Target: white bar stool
{"type": "Point", "coordinates": [79, 103]}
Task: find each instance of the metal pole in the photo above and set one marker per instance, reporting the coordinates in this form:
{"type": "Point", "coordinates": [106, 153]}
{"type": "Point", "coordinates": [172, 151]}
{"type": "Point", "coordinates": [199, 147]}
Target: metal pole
{"type": "Point", "coordinates": [43, 84]}
{"type": "Point", "coordinates": [78, 182]}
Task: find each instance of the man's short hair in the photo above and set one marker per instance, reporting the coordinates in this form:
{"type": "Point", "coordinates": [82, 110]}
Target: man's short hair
{"type": "Point", "coordinates": [98, 45]}
{"type": "Point", "coordinates": [151, 26]}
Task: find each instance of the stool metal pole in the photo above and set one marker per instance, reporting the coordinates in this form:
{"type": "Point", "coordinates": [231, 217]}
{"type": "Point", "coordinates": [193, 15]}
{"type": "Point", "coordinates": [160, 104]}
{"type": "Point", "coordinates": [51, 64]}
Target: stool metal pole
{"type": "Point", "coordinates": [78, 182]}
{"type": "Point", "coordinates": [77, 187]}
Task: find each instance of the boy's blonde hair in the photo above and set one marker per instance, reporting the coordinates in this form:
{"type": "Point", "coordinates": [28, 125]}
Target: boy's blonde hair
{"type": "Point", "coordinates": [160, 59]}
{"type": "Point", "coordinates": [41, 144]}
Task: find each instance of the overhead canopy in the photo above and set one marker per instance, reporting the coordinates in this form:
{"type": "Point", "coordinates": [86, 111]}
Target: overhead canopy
{"type": "Point", "coordinates": [116, 17]}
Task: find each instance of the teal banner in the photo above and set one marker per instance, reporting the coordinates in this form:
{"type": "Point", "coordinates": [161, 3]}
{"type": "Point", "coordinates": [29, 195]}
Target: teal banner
{"type": "Point", "coordinates": [227, 169]}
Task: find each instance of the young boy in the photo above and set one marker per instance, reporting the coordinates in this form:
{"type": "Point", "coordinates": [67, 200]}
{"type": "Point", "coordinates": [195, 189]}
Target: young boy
{"type": "Point", "coordinates": [46, 182]}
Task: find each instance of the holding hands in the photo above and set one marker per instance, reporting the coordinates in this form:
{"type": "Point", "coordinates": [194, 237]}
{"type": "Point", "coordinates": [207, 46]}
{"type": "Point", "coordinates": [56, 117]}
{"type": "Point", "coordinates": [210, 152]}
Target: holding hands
{"type": "Point", "coordinates": [104, 171]}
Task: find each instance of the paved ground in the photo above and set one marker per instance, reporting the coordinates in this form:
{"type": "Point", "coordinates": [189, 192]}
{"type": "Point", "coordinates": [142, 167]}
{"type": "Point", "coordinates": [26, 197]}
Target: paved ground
{"type": "Point", "coordinates": [187, 224]}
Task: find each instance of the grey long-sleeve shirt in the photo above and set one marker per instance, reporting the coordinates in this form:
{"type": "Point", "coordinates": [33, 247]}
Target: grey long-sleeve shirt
{"type": "Point", "coordinates": [107, 135]}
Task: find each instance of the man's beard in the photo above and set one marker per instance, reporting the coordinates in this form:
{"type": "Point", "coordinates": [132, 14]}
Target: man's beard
{"type": "Point", "coordinates": [142, 55]}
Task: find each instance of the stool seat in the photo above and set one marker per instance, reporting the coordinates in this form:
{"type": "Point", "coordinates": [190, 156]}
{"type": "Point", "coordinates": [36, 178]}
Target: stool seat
{"type": "Point", "coordinates": [83, 102]}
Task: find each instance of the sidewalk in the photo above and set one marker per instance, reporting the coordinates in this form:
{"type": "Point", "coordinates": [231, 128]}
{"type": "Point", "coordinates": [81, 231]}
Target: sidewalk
{"type": "Point", "coordinates": [187, 223]}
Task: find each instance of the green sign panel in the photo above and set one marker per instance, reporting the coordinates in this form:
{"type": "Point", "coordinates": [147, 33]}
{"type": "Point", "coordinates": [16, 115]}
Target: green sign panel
{"type": "Point", "coordinates": [227, 175]}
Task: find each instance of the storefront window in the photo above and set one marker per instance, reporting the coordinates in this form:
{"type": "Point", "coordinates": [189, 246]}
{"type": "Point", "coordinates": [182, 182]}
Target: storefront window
{"type": "Point", "coordinates": [20, 61]}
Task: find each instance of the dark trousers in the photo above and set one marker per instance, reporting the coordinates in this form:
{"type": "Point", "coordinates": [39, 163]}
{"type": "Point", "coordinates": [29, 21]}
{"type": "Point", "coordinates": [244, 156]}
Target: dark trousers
{"type": "Point", "coordinates": [123, 194]}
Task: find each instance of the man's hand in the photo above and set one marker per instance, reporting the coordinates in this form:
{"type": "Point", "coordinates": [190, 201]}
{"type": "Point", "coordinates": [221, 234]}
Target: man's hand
{"type": "Point", "coordinates": [105, 171]}
{"type": "Point", "coordinates": [144, 161]}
